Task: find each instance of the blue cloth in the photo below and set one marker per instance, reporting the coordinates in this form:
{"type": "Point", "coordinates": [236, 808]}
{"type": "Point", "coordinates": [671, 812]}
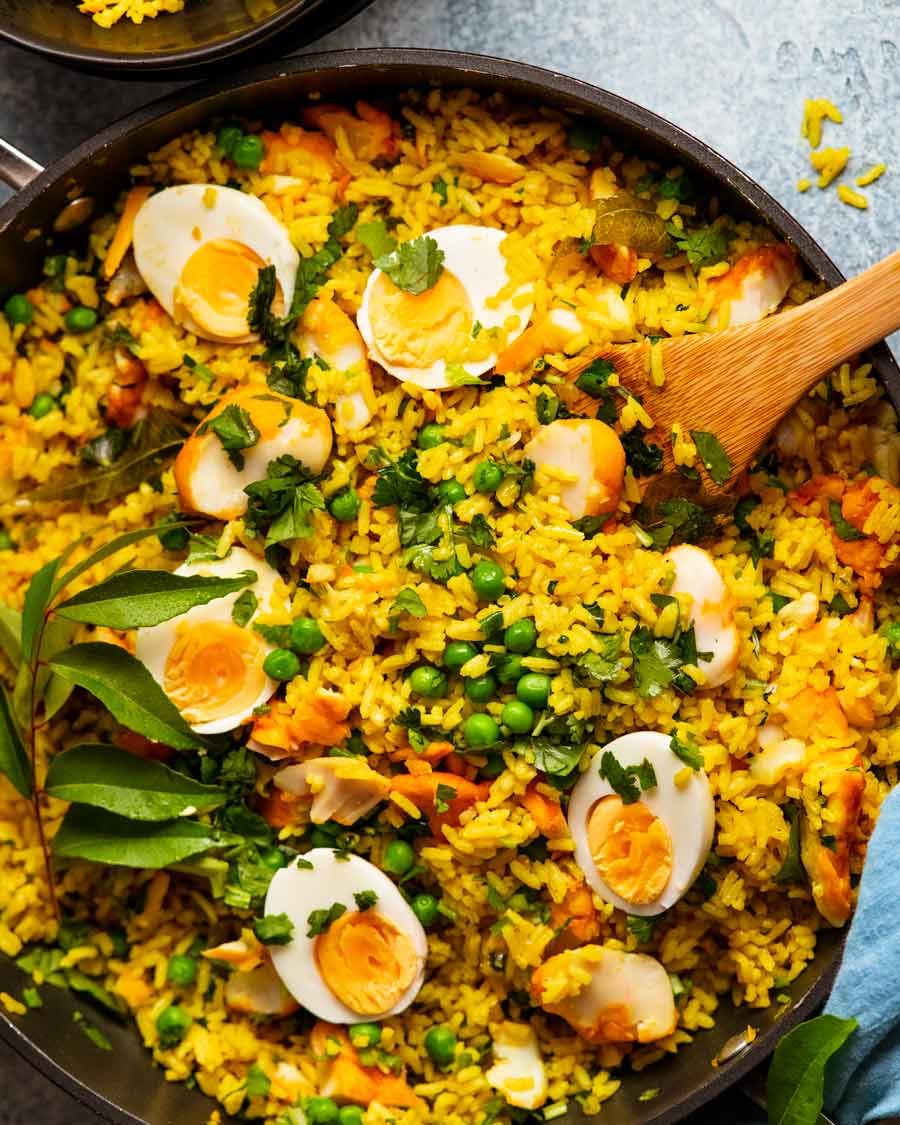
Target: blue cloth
{"type": "Point", "coordinates": [863, 1079]}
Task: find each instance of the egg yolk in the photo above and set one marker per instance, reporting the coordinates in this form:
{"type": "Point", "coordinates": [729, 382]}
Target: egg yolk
{"type": "Point", "coordinates": [366, 961]}
{"type": "Point", "coordinates": [214, 669]}
{"type": "Point", "coordinates": [416, 330]}
{"type": "Point", "coordinates": [215, 286]}
{"type": "Point", "coordinates": [631, 849]}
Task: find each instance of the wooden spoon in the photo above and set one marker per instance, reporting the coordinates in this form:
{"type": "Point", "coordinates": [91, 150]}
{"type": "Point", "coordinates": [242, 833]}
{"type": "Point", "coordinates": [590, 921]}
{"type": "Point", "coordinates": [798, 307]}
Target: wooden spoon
{"type": "Point", "coordinates": [738, 383]}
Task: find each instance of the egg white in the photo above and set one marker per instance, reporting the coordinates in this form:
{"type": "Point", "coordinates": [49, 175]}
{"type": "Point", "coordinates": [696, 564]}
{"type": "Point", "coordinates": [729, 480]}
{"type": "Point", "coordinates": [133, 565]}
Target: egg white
{"type": "Point", "coordinates": [167, 226]}
{"type": "Point", "coordinates": [714, 630]}
{"type": "Point", "coordinates": [472, 254]}
{"type": "Point", "coordinates": [153, 644]}
{"type": "Point", "coordinates": [297, 891]}
{"type": "Point", "coordinates": [688, 813]}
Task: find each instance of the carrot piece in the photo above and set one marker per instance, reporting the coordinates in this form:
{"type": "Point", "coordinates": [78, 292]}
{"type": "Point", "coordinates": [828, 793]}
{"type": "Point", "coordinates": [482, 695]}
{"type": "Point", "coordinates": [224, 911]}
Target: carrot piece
{"type": "Point", "coordinates": [121, 240]}
{"type": "Point", "coordinates": [546, 813]}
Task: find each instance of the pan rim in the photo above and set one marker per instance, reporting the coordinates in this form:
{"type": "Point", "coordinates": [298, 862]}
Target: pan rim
{"type": "Point", "coordinates": [616, 108]}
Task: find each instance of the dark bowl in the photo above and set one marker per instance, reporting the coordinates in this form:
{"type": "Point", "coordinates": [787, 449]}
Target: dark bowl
{"type": "Point", "coordinates": [175, 45]}
{"type": "Point", "coordinates": [123, 1086]}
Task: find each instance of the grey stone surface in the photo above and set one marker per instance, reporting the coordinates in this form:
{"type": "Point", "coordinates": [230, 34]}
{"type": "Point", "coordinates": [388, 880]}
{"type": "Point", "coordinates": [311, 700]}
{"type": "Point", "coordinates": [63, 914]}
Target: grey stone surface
{"type": "Point", "coordinates": [735, 72]}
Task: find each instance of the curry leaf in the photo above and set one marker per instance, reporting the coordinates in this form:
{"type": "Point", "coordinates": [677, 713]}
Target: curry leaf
{"type": "Point", "coordinates": [138, 788]}
{"type": "Point", "coordinates": [791, 870]}
{"type": "Point", "coordinates": [125, 686]}
{"type": "Point", "coordinates": [414, 266]}
{"type": "Point", "coordinates": [10, 634]}
{"type": "Point", "coordinates": [715, 460]}
{"type": "Point", "coordinates": [119, 543]}
{"type": "Point", "coordinates": [136, 599]}
{"type": "Point", "coordinates": [37, 598]}
{"type": "Point", "coordinates": [13, 759]}
{"type": "Point", "coordinates": [103, 837]}
{"type": "Point", "coordinates": [796, 1083]}
{"type": "Point", "coordinates": [153, 442]}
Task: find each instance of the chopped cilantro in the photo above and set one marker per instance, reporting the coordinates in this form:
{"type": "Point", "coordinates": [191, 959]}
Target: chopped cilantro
{"type": "Point", "coordinates": [645, 458]}
{"type": "Point", "coordinates": [443, 795]}
{"type": "Point", "coordinates": [243, 608]}
{"type": "Point", "coordinates": [557, 759]}
{"type": "Point", "coordinates": [457, 376]}
{"type": "Point", "coordinates": [791, 870]}
{"type": "Point", "coordinates": [406, 601]}
{"type": "Point", "coordinates": [236, 431]}
{"type": "Point", "coordinates": [627, 781]}
{"type": "Point", "coordinates": [365, 900]}
{"type": "Point", "coordinates": [679, 187]}
{"type": "Point", "coordinates": [601, 667]}
{"type": "Point", "coordinates": [320, 920]}
{"type": "Point", "coordinates": [274, 929]}
{"type": "Point", "coordinates": [642, 928]}
{"type": "Point", "coordinates": [779, 601]}
{"type": "Point", "coordinates": [649, 1094]}
{"type": "Point", "coordinates": [287, 376]}
{"type": "Point", "coordinates": [439, 187]}
{"type": "Point", "coordinates": [686, 752]}
{"type": "Point", "coordinates": [414, 266]}
{"type": "Point", "coordinates": [419, 733]}
{"type": "Point", "coordinates": [281, 506]}
{"type": "Point", "coordinates": [590, 526]}
{"type": "Point", "coordinates": [585, 135]}
{"type": "Point", "coordinates": [478, 532]}
{"type": "Point", "coordinates": [400, 482]}
{"type": "Point", "coordinates": [839, 605]}
{"type": "Point", "coordinates": [842, 528]}
{"type": "Point", "coordinates": [376, 238]}
{"type": "Point", "coordinates": [715, 460]}
{"type": "Point", "coordinates": [257, 1083]}
{"type": "Point", "coordinates": [548, 408]}
{"type": "Point", "coordinates": [762, 545]}
{"type": "Point", "coordinates": [703, 247]}
{"type": "Point", "coordinates": [658, 661]}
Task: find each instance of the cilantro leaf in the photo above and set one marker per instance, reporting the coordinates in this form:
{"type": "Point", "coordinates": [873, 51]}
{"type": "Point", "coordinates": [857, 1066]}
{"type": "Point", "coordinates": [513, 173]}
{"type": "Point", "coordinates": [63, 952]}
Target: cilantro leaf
{"type": "Point", "coordinates": [703, 247]}
{"type": "Point", "coordinates": [420, 734]}
{"type": "Point", "coordinates": [414, 266]}
{"type": "Point", "coordinates": [585, 135]}
{"type": "Point", "coordinates": [365, 900]}
{"type": "Point", "coordinates": [842, 528]}
{"type": "Point", "coordinates": [419, 527]}
{"type": "Point", "coordinates": [288, 377]}
{"type": "Point", "coordinates": [675, 521]}
{"type": "Point", "coordinates": [642, 928]}
{"type": "Point", "coordinates": [439, 187]}
{"type": "Point", "coordinates": [319, 921]}
{"type": "Point", "coordinates": [406, 601]}
{"type": "Point", "coordinates": [274, 929]}
{"type": "Point", "coordinates": [236, 431]}
{"type": "Point", "coordinates": [400, 482]}
{"type": "Point", "coordinates": [686, 752]}
{"type": "Point", "coordinates": [443, 795]}
{"type": "Point", "coordinates": [257, 1083]}
{"type": "Point", "coordinates": [627, 781]}
{"type": "Point", "coordinates": [457, 376]}
{"type": "Point", "coordinates": [243, 608]}
{"type": "Point", "coordinates": [557, 757]}
{"type": "Point", "coordinates": [590, 526]}
{"type": "Point", "coordinates": [594, 380]}
{"type": "Point", "coordinates": [601, 667]}
{"type": "Point", "coordinates": [376, 238]}
{"type": "Point", "coordinates": [280, 507]}
{"type": "Point", "coordinates": [478, 532]}
{"type": "Point", "coordinates": [657, 662]}
{"type": "Point", "coordinates": [715, 460]}
{"type": "Point", "coordinates": [645, 458]}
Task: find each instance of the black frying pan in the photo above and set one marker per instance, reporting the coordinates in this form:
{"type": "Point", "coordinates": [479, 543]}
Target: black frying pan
{"type": "Point", "coordinates": [178, 45]}
{"type": "Point", "coordinates": [123, 1086]}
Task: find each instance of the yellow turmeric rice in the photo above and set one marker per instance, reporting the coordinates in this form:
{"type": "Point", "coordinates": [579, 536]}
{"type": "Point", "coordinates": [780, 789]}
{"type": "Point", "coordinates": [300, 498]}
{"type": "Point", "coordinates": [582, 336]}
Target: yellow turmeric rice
{"type": "Point", "coordinates": [468, 605]}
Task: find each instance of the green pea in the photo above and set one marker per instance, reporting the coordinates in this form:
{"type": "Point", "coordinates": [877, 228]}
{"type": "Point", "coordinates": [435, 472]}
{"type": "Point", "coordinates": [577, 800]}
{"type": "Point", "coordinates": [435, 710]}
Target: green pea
{"type": "Point", "coordinates": [42, 405]}
{"type": "Point", "coordinates": [172, 1024]}
{"type": "Point", "coordinates": [493, 767]}
{"type": "Point", "coordinates": [458, 653]}
{"type": "Point", "coordinates": [181, 969]}
{"type": "Point", "coordinates": [425, 908]}
{"type": "Point", "coordinates": [430, 436]}
{"type": "Point", "coordinates": [480, 689]}
{"type": "Point", "coordinates": [398, 857]}
{"type": "Point", "coordinates": [273, 858]}
{"type": "Point", "coordinates": [518, 716]}
{"type": "Point", "coordinates": [451, 491]}
{"type": "Point", "coordinates": [428, 681]}
{"type": "Point", "coordinates": [18, 309]}
{"type": "Point", "coordinates": [350, 1115]}
{"type": "Point", "coordinates": [281, 664]}
{"type": "Point", "coordinates": [345, 505]}
{"type": "Point", "coordinates": [487, 580]}
{"type": "Point", "coordinates": [6, 540]}
{"type": "Point", "coordinates": [228, 136]}
{"type": "Point", "coordinates": [480, 731]}
{"type": "Point", "coordinates": [534, 689]}
{"type": "Point", "coordinates": [521, 636]}
{"type": "Point", "coordinates": [322, 1111]}
{"type": "Point", "coordinates": [440, 1043]}
{"type": "Point", "coordinates": [364, 1034]}
{"type": "Point", "coordinates": [249, 152]}
{"type": "Point", "coordinates": [306, 636]}
{"type": "Point", "coordinates": [174, 538]}
{"type": "Point", "coordinates": [55, 265]}
{"type": "Point", "coordinates": [509, 669]}
{"type": "Point", "coordinates": [81, 319]}
{"type": "Point", "coordinates": [487, 476]}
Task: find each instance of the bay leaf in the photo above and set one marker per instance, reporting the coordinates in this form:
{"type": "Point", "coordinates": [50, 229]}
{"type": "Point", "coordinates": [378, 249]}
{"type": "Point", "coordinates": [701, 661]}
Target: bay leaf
{"type": "Point", "coordinates": [627, 220]}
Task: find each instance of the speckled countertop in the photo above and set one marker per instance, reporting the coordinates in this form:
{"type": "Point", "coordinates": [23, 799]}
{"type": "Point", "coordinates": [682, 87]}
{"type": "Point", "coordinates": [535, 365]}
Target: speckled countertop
{"type": "Point", "coordinates": [734, 72]}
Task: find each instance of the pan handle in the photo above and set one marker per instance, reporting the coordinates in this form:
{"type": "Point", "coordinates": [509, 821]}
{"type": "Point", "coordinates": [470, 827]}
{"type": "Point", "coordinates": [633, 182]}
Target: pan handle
{"type": "Point", "coordinates": [16, 169]}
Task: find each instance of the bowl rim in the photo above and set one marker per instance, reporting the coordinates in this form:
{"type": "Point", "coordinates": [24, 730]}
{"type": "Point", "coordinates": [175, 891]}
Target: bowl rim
{"type": "Point", "coordinates": [193, 61]}
{"type": "Point", "coordinates": [616, 109]}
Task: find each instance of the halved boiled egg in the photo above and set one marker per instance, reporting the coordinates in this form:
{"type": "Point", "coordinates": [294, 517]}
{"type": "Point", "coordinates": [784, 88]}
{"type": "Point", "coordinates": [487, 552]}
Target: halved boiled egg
{"type": "Point", "coordinates": [422, 338]}
{"type": "Point", "coordinates": [586, 460]}
{"type": "Point", "coordinates": [200, 248]}
{"type": "Point", "coordinates": [367, 963]}
{"type": "Point", "coordinates": [644, 855]}
{"type": "Point", "coordinates": [209, 666]}
{"type": "Point", "coordinates": [607, 995]}
{"type": "Point", "coordinates": [711, 611]}
{"type": "Point", "coordinates": [208, 481]}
